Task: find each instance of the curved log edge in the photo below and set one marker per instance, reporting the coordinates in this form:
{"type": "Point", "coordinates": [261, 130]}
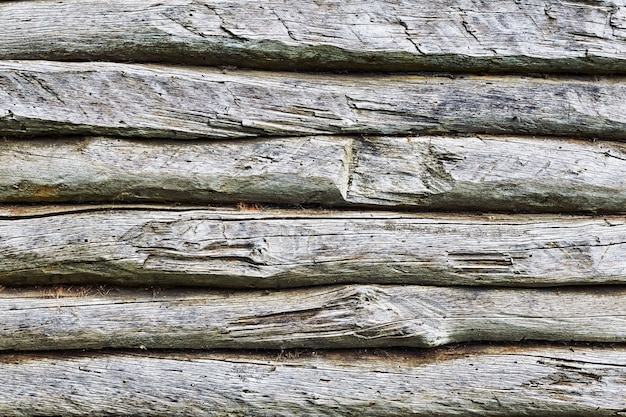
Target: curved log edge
{"type": "Point", "coordinates": [84, 317]}
{"type": "Point", "coordinates": [47, 98]}
{"type": "Point", "coordinates": [429, 172]}
{"type": "Point", "coordinates": [442, 35]}
{"type": "Point", "coordinates": [265, 248]}
{"type": "Point", "coordinates": [495, 381]}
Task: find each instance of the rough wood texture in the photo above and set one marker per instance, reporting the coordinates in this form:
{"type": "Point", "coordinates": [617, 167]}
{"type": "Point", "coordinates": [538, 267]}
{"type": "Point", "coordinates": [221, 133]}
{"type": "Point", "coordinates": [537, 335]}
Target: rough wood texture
{"type": "Point", "coordinates": [468, 35]}
{"type": "Point", "coordinates": [336, 317]}
{"type": "Point", "coordinates": [284, 171]}
{"type": "Point", "coordinates": [39, 97]}
{"type": "Point", "coordinates": [297, 248]}
{"type": "Point", "coordinates": [470, 173]}
{"type": "Point", "coordinates": [496, 381]}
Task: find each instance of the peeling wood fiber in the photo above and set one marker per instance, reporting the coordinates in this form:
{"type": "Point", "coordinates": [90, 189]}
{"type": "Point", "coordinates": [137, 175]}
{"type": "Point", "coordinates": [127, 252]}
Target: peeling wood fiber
{"type": "Point", "coordinates": [364, 316]}
{"type": "Point", "coordinates": [45, 98]}
{"type": "Point", "coordinates": [426, 172]}
{"type": "Point", "coordinates": [548, 381]}
{"type": "Point", "coordinates": [269, 249]}
{"type": "Point", "coordinates": [379, 35]}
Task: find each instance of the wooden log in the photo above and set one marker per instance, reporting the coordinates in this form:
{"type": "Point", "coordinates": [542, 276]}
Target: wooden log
{"type": "Point", "coordinates": [337, 317]}
{"type": "Point", "coordinates": [277, 248]}
{"type": "Point", "coordinates": [455, 35]}
{"type": "Point", "coordinates": [39, 98]}
{"type": "Point", "coordinates": [429, 172]}
{"type": "Point", "coordinates": [487, 381]}
{"type": "Point", "coordinates": [283, 171]}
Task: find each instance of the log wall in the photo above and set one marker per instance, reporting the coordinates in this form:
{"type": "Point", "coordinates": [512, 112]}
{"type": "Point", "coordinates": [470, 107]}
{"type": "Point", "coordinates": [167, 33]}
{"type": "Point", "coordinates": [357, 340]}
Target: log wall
{"type": "Point", "coordinates": [268, 208]}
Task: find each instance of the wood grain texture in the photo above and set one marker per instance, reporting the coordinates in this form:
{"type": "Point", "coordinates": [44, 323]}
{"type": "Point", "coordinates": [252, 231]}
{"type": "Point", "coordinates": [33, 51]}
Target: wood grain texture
{"type": "Point", "coordinates": [46, 98]}
{"type": "Point", "coordinates": [427, 172]}
{"type": "Point", "coordinates": [495, 381]}
{"type": "Point", "coordinates": [283, 171]}
{"type": "Point", "coordinates": [457, 35]}
{"type": "Point", "coordinates": [336, 317]}
{"type": "Point", "coordinates": [277, 248]}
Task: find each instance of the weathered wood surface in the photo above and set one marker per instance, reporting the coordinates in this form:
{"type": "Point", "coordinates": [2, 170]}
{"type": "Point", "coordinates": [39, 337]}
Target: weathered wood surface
{"type": "Point", "coordinates": [489, 381]}
{"type": "Point", "coordinates": [467, 35]}
{"type": "Point", "coordinates": [296, 248]}
{"type": "Point", "coordinates": [39, 98]}
{"type": "Point", "coordinates": [335, 317]}
{"type": "Point", "coordinates": [284, 171]}
{"type": "Point", "coordinates": [469, 173]}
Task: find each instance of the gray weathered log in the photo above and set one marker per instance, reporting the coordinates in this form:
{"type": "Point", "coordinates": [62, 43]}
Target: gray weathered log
{"type": "Point", "coordinates": [467, 35]}
{"type": "Point", "coordinates": [39, 97]}
{"type": "Point", "coordinates": [284, 171]}
{"type": "Point", "coordinates": [489, 381]}
{"type": "Point", "coordinates": [337, 317]}
{"type": "Point", "coordinates": [475, 173]}
{"type": "Point", "coordinates": [277, 248]}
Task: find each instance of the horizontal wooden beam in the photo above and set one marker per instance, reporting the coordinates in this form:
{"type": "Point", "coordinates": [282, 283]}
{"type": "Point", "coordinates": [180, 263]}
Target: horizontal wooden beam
{"type": "Point", "coordinates": [449, 35]}
{"type": "Point", "coordinates": [427, 172]}
{"type": "Point", "coordinates": [278, 248]}
{"type": "Point", "coordinates": [46, 98]}
{"type": "Point", "coordinates": [489, 381]}
{"type": "Point", "coordinates": [337, 317]}
{"type": "Point", "coordinates": [281, 171]}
